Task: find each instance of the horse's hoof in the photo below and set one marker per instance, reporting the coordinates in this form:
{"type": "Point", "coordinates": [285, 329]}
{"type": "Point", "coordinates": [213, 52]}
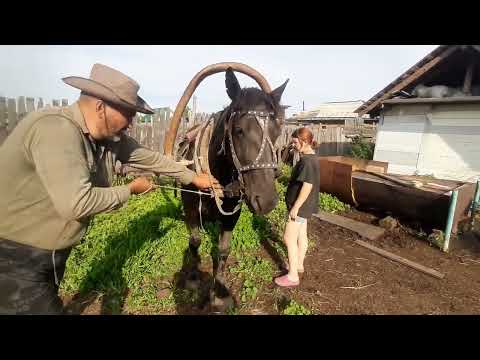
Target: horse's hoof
{"type": "Point", "coordinates": [223, 304]}
{"type": "Point", "coordinates": [192, 284]}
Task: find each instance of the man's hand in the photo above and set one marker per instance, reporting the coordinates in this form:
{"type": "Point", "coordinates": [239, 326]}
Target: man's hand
{"type": "Point", "coordinates": [202, 182]}
{"type": "Point", "coordinates": [140, 185]}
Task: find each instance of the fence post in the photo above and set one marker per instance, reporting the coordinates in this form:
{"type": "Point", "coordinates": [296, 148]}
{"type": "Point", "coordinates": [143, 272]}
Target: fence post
{"type": "Point", "coordinates": [148, 135]}
{"type": "Point", "coordinates": [30, 104]}
{"type": "Point", "coordinates": [12, 115]}
{"type": "Point", "coordinates": [156, 132]}
{"type": "Point", "coordinates": [40, 103]}
{"type": "Point", "coordinates": [22, 108]}
{"type": "Point", "coordinates": [3, 119]}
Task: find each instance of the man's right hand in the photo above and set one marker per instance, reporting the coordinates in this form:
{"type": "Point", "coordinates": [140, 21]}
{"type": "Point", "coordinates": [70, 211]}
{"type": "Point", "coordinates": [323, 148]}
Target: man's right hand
{"type": "Point", "coordinates": [202, 182]}
{"type": "Point", "coordinates": [140, 185]}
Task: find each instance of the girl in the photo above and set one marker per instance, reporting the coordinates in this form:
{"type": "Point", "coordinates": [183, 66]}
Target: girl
{"type": "Point", "coordinates": [302, 201]}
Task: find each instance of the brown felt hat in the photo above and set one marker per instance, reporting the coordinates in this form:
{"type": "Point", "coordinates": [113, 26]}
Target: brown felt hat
{"type": "Point", "coordinates": [112, 86]}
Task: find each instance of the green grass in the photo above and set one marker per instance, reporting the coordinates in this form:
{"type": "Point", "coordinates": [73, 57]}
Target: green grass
{"type": "Point", "coordinates": [294, 308]}
{"type": "Point", "coordinates": [128, 255]}
{"type": "Point", "coordinates": [256, 272]}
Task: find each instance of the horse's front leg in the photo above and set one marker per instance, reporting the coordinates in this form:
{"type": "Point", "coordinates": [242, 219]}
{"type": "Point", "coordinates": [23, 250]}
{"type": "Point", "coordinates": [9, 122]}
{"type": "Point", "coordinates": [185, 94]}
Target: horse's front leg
{"type": "Point", "coordinates": [221, 297]}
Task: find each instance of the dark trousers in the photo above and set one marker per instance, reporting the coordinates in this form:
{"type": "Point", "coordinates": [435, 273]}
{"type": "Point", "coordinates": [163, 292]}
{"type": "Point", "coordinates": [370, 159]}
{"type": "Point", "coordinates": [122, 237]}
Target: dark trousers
{"type": "Point", "coordinates": [27, 279]}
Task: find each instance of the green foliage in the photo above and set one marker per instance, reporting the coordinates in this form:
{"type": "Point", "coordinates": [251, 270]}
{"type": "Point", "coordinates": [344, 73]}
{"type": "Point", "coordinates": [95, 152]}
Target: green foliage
{"type": "Point", "coordinates": [128, 255]}
{"type": "Point", "coordinates": [255, 272]}
{"type": "Point", "coordinates": [331, 204]}
{"type": "Point", "coordinates": [286, 173]}
{"type": "Point", "coordinates": [362, 149]}
{"type": "Point", "coordinates": [294, 308]}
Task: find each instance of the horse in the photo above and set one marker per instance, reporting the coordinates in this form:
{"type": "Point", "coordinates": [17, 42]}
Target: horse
{"type": "Point", "coordinates": [240, 154]}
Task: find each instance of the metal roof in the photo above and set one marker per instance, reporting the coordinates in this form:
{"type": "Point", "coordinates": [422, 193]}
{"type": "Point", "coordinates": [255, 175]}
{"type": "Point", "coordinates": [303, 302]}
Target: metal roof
{"type": "Point", "coordinates": [414, 69]}
{"type": "Point", "coordinates": [331, 110]}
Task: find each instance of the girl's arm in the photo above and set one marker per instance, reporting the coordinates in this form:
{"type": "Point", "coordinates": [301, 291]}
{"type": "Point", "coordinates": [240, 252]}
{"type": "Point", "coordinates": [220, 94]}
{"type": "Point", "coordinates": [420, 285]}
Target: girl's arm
{"type": "Point", "coordinates": [302, 196]}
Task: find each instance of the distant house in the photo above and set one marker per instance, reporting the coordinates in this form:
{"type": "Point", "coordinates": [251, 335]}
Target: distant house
{"type": "Point", "coordinates": [430, 116]}
{"type": "Point", "coordinates": [332, 113]}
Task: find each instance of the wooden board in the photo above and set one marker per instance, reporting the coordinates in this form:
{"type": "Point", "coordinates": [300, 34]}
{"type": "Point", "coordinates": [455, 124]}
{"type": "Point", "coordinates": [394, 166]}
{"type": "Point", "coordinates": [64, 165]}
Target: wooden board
{"type": "Point", "coordinates": [368, 231]}
{"type": "Point", "coordinates": [3, 119]}
{"type": "Point", "coordinates": [12, 114]}
{"type": "Point", "coordinates": [428, 207]}
{"type": "Point", "coordinates": [401, 260]}
{"type": "Point", "coordinates": [466, 193]}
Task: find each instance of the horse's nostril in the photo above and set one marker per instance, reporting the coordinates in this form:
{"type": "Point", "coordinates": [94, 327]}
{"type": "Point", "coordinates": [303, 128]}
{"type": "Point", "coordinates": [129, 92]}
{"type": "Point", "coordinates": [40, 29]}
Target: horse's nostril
{"type": "Point", "coordinates": [258, 204]}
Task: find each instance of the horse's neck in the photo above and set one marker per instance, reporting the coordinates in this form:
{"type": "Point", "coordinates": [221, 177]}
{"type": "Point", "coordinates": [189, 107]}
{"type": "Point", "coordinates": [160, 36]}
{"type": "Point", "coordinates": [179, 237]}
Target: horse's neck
{"type": "Point", "coordinates": [219, 166]}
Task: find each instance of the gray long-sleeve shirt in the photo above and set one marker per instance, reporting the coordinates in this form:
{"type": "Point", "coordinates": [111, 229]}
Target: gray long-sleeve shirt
{"type": "Point", "coordinates": [54, 177]}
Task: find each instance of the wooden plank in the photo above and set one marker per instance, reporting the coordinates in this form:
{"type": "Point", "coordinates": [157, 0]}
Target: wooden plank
{"type": "Point", "coordinates": [400, 260]}
{"type": "Point", "coordinates": [400, 86]}
{"type": "Point", "coordinates": [466, 192]}
{"type": "Point", "coordinates": [22, 108]}
{"type": "Point", "coordinates": [12, 115]}
{"type": "Point", "coordinates": [30, 104]}
{"type": "Point", "coordinates": [156, 132]}
{"type": "Point", "coordinates": [149, 136]}
{"type": "Point", "coordinates": [368, 231]}
{"type": "Point", "coordinates": [3, 119]}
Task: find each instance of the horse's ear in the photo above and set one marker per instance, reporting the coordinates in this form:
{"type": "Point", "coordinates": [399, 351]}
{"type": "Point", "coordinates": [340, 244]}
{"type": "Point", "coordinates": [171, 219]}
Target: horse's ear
{"type": "Point", "coordinates": [232, 84]}
{"type": "Point", "coordinates": [278, 92]}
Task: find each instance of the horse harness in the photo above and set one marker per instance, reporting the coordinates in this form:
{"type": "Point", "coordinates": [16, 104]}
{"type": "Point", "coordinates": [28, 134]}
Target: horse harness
{"type": "Point", "coordinates": [237, 187]}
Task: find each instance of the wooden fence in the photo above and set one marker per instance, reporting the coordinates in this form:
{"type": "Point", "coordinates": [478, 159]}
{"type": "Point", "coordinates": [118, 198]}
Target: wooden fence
{"type": "Point", "coordinates": [331, 139]}
{"type": "Point", "coordinates": [14, 110]}
{"type": "Point", "coordinates": [147, 130]}
{"type": "Point", "coordinates": [150, 131]}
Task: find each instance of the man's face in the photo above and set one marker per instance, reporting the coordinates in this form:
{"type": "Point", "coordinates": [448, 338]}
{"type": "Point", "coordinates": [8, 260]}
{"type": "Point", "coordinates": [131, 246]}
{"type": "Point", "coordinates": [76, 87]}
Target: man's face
{"type": "Point", "coordinates": [115, 120]}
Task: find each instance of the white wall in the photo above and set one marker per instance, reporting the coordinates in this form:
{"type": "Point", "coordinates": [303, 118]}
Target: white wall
{"type": "Point", "coordinates": [443, 140]}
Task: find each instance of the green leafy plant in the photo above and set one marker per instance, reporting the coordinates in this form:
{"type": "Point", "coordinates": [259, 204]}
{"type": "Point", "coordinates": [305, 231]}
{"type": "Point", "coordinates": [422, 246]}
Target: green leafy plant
{"type": "Point", "coordinates": [255, 272]}
{"type": "Point", "coordinates": [362, 149]}
{"type": "Point", "coordinates": [331, 204]}
{"type": "Point", "coordinates": [294, 308]}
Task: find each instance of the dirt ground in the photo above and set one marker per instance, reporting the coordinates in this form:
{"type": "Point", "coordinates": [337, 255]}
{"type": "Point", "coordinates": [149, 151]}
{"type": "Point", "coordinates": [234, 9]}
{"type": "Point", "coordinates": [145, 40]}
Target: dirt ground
{"type": "Point", "coordinates": [343, 278]}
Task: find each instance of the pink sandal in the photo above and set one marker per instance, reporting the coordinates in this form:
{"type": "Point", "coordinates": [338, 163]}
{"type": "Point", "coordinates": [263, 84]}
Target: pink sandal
{"type": "Point", "coordinates": [284, 281]}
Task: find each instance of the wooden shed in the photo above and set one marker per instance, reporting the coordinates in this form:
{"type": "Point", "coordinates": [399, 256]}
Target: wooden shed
{"type": "Point", "coordinates": [438, 136]}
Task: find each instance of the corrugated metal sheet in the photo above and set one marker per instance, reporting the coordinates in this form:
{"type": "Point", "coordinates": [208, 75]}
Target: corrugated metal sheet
{"type": "Point", "coordinates": [403, 76]}
{"type": "Point", "coordinates": [332, 110]}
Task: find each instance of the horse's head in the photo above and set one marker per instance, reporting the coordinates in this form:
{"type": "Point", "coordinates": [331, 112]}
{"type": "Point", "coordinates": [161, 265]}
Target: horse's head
{"type": "Point", "coordinates": [252, 127]}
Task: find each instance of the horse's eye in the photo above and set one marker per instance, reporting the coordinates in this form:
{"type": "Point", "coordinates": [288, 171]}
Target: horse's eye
{"type": "Point", "coordinates": [238, 131]}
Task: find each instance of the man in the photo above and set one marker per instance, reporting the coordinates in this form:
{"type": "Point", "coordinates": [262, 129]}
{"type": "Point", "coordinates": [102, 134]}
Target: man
{"type": "Point", "coordinates": [57, 170]}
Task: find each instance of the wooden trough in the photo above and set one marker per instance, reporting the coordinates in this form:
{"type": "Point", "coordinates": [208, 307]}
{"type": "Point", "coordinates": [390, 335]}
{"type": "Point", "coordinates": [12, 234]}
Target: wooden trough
{"type": "Point", "coordinates": [368, 184]}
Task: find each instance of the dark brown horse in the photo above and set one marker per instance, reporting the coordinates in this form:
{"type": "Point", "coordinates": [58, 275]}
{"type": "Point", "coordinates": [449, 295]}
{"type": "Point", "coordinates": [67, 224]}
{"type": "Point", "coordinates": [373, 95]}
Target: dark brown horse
{"type": "Point", "coordinates": [241, 156]}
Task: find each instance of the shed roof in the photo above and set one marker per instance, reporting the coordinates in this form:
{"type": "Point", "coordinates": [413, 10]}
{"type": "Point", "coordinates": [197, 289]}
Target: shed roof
{"type": "Point", "coordinates": [444, 65]}
{"type": "Point", "coordinates": [332, 110]}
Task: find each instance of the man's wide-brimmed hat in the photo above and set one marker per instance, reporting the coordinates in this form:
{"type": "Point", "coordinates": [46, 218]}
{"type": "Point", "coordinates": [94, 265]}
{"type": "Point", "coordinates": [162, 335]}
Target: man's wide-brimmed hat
{"type": "Point", "coordinates": [112, 86]}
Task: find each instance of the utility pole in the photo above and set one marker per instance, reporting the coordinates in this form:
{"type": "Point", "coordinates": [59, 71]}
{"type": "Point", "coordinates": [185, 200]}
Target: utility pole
{"type": "Point", "coordinates": [194, 109]}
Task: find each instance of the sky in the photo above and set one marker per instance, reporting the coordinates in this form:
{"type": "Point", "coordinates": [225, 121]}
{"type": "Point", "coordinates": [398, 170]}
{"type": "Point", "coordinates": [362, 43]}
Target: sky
{"type": "Point", "coordinates": [317, 73]}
